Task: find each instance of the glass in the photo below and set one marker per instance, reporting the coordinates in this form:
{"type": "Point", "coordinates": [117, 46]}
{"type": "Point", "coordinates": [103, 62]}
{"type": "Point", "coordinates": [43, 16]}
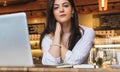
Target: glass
{"type": "Point", "coordinates": [118, 57]}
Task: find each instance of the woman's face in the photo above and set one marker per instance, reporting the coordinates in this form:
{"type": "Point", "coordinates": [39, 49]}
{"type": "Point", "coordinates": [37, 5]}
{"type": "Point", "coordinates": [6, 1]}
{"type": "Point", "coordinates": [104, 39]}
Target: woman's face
{"type": "Point", "coordinates": [62, 10]}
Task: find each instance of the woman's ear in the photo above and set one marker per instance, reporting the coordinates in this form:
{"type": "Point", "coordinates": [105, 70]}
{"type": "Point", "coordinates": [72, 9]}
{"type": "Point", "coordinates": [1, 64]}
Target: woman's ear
{"type": "Point", "coordinates": [72, 11]}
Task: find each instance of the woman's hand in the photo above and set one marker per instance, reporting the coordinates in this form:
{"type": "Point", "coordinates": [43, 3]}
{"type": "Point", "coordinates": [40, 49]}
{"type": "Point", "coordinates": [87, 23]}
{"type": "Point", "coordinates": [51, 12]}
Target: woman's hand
{"type": "Point", "coordinates": [58, 28]}
{"type": "Point", "coordinates": [54, 50]}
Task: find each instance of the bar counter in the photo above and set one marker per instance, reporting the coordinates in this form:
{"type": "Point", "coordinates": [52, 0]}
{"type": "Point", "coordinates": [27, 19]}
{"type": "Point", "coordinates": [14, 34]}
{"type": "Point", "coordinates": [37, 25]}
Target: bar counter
{"type": "Point", "coordinates": [41, 68]}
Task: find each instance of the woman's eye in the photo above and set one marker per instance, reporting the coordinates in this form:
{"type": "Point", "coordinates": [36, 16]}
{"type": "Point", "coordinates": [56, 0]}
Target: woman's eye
{"type": "Point", "coordinates": [66, 5]}
{"type": "Point", "coordinates": [55, 7]}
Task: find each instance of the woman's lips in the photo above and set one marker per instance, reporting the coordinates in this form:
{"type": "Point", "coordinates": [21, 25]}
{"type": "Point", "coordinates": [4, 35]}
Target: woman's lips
{"type": "Point", "coordinates": [62, 15]}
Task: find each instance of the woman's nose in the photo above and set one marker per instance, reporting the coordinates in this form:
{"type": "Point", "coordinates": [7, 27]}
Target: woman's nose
{"type": "Point", "coordinates": [61, 9]}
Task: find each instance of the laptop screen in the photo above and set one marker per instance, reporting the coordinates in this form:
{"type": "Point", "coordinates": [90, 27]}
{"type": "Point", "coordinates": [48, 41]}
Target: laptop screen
{"type": "Point", "coordinates": [15, 47]}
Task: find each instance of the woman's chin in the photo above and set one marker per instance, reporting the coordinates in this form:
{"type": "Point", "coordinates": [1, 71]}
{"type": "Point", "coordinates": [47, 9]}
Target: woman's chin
{"type": "Point", "coordinates": [63, 21]}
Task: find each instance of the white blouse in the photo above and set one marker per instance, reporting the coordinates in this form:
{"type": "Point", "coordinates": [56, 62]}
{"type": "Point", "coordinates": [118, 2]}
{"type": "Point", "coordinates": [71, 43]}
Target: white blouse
{"type": "Point", "coordinates": [76, 56]}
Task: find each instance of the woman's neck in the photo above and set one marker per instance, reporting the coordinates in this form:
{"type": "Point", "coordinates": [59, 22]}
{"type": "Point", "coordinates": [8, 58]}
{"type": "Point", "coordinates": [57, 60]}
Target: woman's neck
{"type": "Point", "coordinates": [66, 27]}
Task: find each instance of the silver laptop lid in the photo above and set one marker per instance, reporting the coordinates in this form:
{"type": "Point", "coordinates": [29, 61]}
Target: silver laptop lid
{"type": "Point", "coordinates": [15, 47]}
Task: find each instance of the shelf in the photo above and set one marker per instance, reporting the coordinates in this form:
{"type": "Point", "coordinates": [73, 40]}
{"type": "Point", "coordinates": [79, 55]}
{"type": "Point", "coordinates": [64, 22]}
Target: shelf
{"type": "Point", "coordinates": [108, 46]}
{"type": "Point", "coordinates": [33, 41]}
{"type": "Point", "coordinates": [37, 52]}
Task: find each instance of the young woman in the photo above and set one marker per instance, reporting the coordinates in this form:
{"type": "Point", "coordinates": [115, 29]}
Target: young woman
{"type": "Point", "coordinates": [64, 40]}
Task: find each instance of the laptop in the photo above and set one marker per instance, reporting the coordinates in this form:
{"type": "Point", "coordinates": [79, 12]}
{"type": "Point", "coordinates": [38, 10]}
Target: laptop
{"type": "Point", "coordinates": [15, 47]}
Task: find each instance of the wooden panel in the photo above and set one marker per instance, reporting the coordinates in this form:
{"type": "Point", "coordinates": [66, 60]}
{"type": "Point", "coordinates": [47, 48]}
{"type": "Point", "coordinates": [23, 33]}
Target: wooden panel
{"type": "Point", "coordinates": [40, 5]}
{"type": "Point", "coordinates": [49, 69]}
{"type": "Point", "coordinates": [87, 2]}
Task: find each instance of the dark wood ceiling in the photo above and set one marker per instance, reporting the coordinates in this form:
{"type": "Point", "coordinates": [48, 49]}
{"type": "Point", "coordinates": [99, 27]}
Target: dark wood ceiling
{"type": "Point", "coordinates": [83, 6]}
{"type": "Point", "coordinates": [13, 2]}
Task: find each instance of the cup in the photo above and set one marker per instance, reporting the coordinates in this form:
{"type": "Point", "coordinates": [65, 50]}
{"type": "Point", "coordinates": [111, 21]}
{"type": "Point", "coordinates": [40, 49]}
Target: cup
{"type": "Point", "coordinates": [118, 58]}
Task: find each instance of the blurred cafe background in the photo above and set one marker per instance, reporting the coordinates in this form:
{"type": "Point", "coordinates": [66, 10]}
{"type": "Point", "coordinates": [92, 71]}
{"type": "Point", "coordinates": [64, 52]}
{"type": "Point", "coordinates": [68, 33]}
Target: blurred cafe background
{"type": "Point", "coordinates": [102, 15]}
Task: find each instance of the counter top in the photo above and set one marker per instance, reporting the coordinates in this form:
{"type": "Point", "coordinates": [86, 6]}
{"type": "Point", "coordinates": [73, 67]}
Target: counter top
{"type": "Point", "coordinates": [42, 68]}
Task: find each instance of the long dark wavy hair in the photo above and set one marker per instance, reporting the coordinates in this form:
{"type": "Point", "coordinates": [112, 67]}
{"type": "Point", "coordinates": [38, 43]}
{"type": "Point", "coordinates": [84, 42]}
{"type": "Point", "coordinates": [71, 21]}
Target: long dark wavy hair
{"type": "Point", "coordinates": [51, 24]}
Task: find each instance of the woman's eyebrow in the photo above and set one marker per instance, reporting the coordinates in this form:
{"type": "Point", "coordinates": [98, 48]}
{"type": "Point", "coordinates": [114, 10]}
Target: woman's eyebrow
{"type": "Point", "coordinates": [56, 4]}
{"type": "Point", "coordinates": [62, 3]}
{"type": "Point", "coordinates": [66, 3]}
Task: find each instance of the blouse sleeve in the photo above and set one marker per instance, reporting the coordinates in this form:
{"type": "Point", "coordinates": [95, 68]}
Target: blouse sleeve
{"type": "Point", "coordinates": [47, 58]}
{"type": "Point", "coordinates": [81, 49]}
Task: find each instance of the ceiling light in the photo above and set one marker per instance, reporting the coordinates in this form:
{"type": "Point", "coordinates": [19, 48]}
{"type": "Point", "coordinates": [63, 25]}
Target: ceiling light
{"type": "Point", "coordinates": [103, 5]}
{"type": "Point", "coordinates": [5, 3]}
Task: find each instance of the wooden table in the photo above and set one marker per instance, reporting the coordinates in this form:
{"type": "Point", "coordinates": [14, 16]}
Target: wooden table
{"type": "Point", "coordinates": [41, 68]}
